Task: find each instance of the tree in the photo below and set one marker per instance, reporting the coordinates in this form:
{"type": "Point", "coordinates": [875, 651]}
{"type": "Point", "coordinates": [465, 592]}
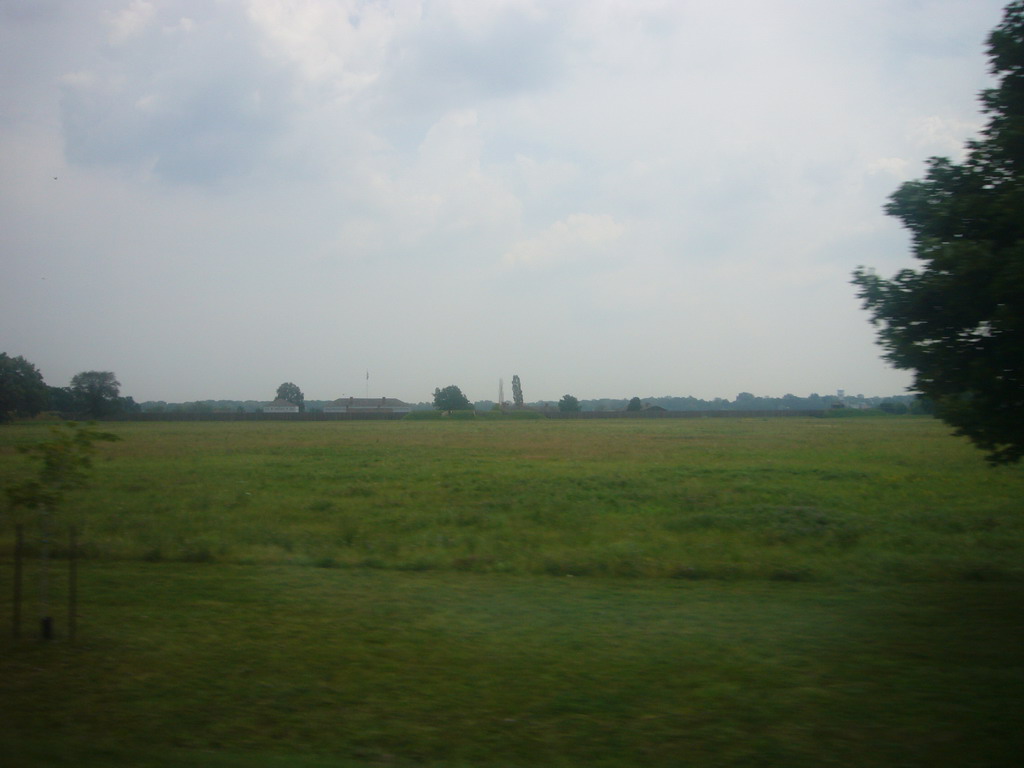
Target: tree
{"type": "Point", "coordinates": [451, 399]}
{"type": "Point", "coordinates": [292, 394]}
{"type": "Point", "coordinates": [61, 399]}
{"type": "Point", "coordinates": [635, 405]}
{"type": "Point", "coordinates": [568, 404]}
{"type": "Point", "coordinates": [517, 392]}
{"type": "Point", "coordinates": [128, 405]}
{"type": "Point", "coordinates": [745, 401]}
{"type": "Point", "coordinates": [22, 390]}
{"type": "Point", "coordinates": [96, 392]}
{"type": "Point", "coordinates": [958, 322]}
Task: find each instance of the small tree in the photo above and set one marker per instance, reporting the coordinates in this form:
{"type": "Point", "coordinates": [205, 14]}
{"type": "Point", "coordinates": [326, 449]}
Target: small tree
{"type": "Point", "coordinates": [292, 394]}
{"type": "Point", "coordinates": [635, 405]}
{"type": "Point", "coordinates": [568, 404]}
{"type": "Point", "coordinates": [517, 392]}
{"type": "Point", "coordinates": [96, 392]}
{"type": "Point", "coordinates": [65, 460]}
{"type": "Point", "coordinates": [451, 399]}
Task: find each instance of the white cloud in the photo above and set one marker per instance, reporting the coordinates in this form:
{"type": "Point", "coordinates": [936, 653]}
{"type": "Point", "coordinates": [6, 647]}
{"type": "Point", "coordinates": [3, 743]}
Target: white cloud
{"type": "Point", "coordinates": [577, 237]}
{"type": "Point", "coordinates": [79, 80]}
{"type": "Point", "coordinates": [893, 166]}
{"type": "Point", "coordinates": [440, 197]}
{"type": "Point", "coordinates": [942, 135]}
{"type": "Point", "coordinates": [183, 25]}
{"type": "Point", "coordinates": [337, 46]}
{"type": "Point", "coordinates": [543, 177]}
{"type": "Point", "coordinates": [131, 21]}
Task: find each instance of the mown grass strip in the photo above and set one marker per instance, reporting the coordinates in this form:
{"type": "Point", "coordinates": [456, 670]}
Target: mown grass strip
{"type": "Point", "coordinates": [179, 663]}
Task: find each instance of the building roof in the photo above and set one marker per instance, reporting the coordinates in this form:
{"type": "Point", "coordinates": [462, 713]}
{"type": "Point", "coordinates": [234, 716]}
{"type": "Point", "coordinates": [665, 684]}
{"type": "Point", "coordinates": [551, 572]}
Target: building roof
{"type": "Point", "coordinates": [368, 402]}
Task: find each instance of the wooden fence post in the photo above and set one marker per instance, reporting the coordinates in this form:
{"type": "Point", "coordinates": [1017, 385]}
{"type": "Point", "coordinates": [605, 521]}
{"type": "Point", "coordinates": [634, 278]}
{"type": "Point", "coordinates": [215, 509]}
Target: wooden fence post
{"type": "Point", "coordinates": [45, 619]}
{"type": "Point", "coordinates": [19, 553]}
{"type": "Point", "coordinates": [73, 584]}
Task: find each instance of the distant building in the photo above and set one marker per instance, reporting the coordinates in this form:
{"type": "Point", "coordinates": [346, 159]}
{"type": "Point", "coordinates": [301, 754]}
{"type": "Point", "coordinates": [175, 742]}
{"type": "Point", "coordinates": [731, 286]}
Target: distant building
{"type": "Point", "coordinates": [281, 406]}
{"type": "Point", "coordinates": [367, 405]}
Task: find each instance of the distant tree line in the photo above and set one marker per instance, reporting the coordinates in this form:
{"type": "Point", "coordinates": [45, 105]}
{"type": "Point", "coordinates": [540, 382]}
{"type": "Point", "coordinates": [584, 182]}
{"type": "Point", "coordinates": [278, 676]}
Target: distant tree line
{"type": "Point", "coordinates": [96, 394]}
{"type": "Point", "coordinates": [744, 401]}
{"type": "Point", "coordinates": [895, 404]}
{"type": "Point", "coordinates": [91, 394]}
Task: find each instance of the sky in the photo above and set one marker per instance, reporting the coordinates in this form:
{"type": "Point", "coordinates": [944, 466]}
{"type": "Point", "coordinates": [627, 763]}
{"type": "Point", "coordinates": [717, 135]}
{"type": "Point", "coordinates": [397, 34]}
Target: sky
{"type": "Point", "coordinates": [607, 198]}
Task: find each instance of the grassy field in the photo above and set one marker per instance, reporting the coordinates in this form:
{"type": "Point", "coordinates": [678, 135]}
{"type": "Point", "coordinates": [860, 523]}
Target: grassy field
{"type": "Point", "coordinates": [720, 592]}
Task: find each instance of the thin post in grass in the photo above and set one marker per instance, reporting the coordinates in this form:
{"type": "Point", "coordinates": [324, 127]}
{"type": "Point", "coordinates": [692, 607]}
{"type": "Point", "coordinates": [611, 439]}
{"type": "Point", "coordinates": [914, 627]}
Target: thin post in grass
{"type": "Point", "coordinates": [73, 584]}
{"type": "Point", "coordinates": [19, 554]}
{"type": "Point", "coordinates": [45, 619]}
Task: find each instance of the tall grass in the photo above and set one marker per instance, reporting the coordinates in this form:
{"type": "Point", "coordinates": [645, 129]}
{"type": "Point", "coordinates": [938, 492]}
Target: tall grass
{"type": "Point", "coordinates": [880, 500]}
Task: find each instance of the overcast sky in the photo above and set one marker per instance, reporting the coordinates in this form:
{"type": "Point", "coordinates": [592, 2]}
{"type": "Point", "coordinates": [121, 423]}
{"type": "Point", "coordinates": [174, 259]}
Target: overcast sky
{"type": "Point", "coordinates": [606, 197]}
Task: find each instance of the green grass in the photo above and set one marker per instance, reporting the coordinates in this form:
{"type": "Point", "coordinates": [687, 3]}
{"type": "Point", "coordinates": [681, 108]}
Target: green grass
{"type": "Point", "coordinates": [528, 593]}
{"type": "Point", "coordinates": [181, 664]}
{"type": "Point", "coordinates": [791, 499]}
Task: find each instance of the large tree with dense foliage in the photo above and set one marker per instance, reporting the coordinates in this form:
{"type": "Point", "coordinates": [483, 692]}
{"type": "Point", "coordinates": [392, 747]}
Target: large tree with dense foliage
{"type": "Point", "coordinates": [96, 392]}
{"type": "Point", "coordinates": [958, 322]}
{"type": "Point", "coordinates": [568, 404]}
{"type": "Point", "coordinates": [22, 389]}
{"type": "Point", "coordinates": [292, 394]}
{"type": "Point", "coordinates": [451, 399]}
